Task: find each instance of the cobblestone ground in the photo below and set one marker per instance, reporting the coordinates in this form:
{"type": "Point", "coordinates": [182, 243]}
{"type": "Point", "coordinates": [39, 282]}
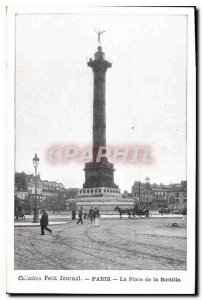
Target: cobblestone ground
{"type": "Point", "coordinates": [137, 244]}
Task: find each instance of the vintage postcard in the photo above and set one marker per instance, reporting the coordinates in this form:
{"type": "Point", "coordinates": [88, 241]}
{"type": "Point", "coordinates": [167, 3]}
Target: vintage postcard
{"type": "Point", "coordinates": [101, 143]}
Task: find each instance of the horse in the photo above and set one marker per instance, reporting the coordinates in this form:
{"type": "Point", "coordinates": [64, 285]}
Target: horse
{"type": "Point", "coordinates": [123, 211]}
{"type": "Point", "coordinates": [140, 212]}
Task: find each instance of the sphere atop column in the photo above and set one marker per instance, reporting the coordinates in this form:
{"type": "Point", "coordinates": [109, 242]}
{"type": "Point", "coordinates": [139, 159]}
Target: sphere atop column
{"type": "Point", "coordinates": [99, 53]}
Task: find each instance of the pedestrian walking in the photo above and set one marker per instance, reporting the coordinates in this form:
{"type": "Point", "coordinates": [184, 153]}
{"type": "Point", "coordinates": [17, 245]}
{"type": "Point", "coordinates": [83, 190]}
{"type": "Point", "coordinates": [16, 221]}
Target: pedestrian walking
{"type": "Point", "coordinates": [73, 214]}
{"type": "Point", "coordinates": [23, 214]}
{"type": "Point", "coordinates": [80, 215]}
{"type": "Point", "coordinates": [91, 214]}
{"type": "Point", "coordinates": [44, 222]}
{"type": "Point", "coordinates": [147, 212]}
{"type": "Point", "coordinates": [16, 215]}
{"type": "Point", "coordinates": [94, 213]}
{"type": "Point", "coordinates": [18, 212]}
{"type": "Point", "coordinates": [97, 217]}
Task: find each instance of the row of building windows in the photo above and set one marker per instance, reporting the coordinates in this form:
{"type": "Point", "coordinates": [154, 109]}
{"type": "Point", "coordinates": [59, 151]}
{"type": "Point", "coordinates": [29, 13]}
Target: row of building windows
{"type": "Point", "coordinates": [47, 184]}
{"type": "Point", "coordinates": [51, 186]}
{"type": "Point", "coordinates": [159, 193]}
{"type": "Point", "coordinates": [184, 194]}
{"type": "Point", "coordinates": [173, 201]}
{"type": "Point", "coordinates": [50, 189]}
{"type": "Point", "coordinates": [32, 191]}
{"type": "Point", "coordinates": [161, 201]}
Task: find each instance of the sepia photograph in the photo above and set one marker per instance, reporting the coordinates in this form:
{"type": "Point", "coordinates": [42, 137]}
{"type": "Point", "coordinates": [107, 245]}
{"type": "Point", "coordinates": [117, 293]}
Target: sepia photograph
{"type": "Point", "coordinates": [103, 130]}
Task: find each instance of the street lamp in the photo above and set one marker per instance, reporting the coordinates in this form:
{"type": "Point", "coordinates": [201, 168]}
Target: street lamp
{"type": "Point", "coordinates": [172, 201]}
{"type": "Point", "coordinates": [139, 191]}
{"type": "Point", "coordinates": [147, 183]}
{"type": "Point", "coordinates": [36, 208]}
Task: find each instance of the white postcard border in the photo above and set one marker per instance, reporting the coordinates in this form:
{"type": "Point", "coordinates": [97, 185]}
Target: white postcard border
{"type": "Point", "coordinates": [187, 285]}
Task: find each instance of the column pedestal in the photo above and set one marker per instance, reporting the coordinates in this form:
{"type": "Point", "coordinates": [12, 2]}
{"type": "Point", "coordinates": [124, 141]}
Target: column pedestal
{"type": "Point", "coordinates": [99, 174]}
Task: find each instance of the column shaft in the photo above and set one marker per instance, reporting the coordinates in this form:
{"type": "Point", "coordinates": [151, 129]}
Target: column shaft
{"type": "Point", "coordinates": [99, 111]}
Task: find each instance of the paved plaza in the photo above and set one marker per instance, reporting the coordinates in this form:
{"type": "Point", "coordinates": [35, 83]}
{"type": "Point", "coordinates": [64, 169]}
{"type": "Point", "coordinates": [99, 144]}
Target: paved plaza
{"type": "Point", "coordinates": [136, 244]}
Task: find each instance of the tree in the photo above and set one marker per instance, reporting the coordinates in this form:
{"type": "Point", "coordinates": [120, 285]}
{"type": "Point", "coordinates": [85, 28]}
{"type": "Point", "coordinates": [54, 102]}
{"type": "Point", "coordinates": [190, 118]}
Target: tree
{"type": "Point", "coordinates": [72, 204]}
{"type": "Point", "coordinates": [21, 181]}
{"type": "Point", "coordinates": [71, 193]}
{"type": "Point", "coordinates": [184, 184]}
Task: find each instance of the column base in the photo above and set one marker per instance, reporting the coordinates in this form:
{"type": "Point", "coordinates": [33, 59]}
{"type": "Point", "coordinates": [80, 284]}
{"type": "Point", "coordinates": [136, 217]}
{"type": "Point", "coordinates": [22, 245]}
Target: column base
{"type": "Point", "coordinates": [35, 220]}
{"type": "Point", "coordinates": [99, 175]}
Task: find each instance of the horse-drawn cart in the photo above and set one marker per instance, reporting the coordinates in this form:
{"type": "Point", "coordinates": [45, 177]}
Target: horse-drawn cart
{"type": "Point", "coordinates": [133, 211]}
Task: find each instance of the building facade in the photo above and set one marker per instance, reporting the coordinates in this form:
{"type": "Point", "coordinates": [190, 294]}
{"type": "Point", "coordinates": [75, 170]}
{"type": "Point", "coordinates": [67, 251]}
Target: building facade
{"type": "Point", "coordinates": [50, 194]}
{"type": "Point", "coordinates": [172, 198]}
{"type": "Point", "coordinates": [142, 193]}
{"type": "Point", "coordinates": [177, 199]}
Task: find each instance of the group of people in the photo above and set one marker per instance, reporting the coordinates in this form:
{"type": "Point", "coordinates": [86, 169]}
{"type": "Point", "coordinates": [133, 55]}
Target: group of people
{"type": "Point", "coordinates": [93, 214]}
{"type": "Point", "coordinates": [20, 213]}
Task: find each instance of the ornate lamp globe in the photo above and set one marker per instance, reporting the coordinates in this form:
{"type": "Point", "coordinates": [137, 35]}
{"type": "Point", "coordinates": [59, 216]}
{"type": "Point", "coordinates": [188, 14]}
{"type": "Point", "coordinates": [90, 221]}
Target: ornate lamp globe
{"type": "Point", "coordinates": [147, 179]}
{"type": "Point", "coordinates": [35, 161]}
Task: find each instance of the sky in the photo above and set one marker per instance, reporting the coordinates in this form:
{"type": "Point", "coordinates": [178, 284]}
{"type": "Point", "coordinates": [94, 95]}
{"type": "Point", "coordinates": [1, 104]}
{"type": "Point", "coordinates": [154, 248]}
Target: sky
{"type": "Point", "coordinates": [145, 91]}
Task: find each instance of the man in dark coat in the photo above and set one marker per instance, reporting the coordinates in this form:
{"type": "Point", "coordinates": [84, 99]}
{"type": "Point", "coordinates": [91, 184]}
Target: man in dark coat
{"type": "Point", "coordinates": [73, 214]}
{"type": "Point", "coordinates": [97, 212]}
{"type": "Point", "coordinates": [23, 214]}
{"type": "Point", "coordinates": [97, 217]}
{"type": "Point", "coordinates": [91, 213]}
{"type": "Point", "coordinates": [80, 215]}
{"type": "Point", "coordinates": [44, 222]}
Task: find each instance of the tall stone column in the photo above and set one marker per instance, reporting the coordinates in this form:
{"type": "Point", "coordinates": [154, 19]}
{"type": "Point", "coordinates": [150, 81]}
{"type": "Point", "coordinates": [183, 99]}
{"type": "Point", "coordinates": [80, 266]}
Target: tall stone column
{"type": "Point", "coordinates": [99, 66]}
{"type": "Point", "coordinates": [99, 174]}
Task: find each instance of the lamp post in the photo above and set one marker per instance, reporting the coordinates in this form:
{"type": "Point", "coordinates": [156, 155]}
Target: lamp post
{"type": "Point", "coordinates": [172, 201]}
{"type": "Point", "coordinates": [58, 198]}
{"type": "Point", "coordinates": [36, 208]}
{"type": "Point", "coordinates": [139, 191]}
{"type": "Point", "coordinates": [147, 183]}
